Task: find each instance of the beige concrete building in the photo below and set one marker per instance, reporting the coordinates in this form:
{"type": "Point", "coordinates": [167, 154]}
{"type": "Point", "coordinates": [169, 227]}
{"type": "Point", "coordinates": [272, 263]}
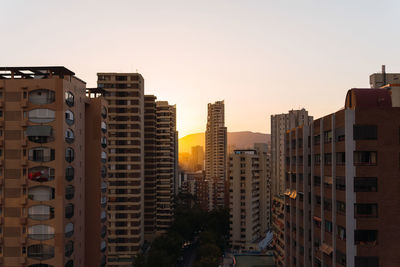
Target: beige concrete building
{"type": "Point", "coordinates": [42, 173]}
{"type": "Point", "coordinates": [197, 158]}
{"type": "Point", "coordinates": [244, 203]}
{"type": "Point", "coordinates": [125, 208]}
{"type": "Point", "coordinates": [215, 162]}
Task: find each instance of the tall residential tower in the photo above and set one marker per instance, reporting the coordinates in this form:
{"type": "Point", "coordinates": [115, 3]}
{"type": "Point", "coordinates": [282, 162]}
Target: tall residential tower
{"type": "Point", "coordinates": [216, 143]}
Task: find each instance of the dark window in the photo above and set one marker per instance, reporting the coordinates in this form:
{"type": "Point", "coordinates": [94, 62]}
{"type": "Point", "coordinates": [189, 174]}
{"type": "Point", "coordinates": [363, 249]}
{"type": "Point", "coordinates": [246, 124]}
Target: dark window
{"type": "Point", "coordinates": [328, 158]}
{"type": "Point", "coordinates": [317, 139]}
{"type": "Point", "coordinates": [317, 159]}
{"type": "Point", "coordinates": [317, 180]}
{"type": "Point", "coordinates": [366, 261]}
{"type": "Point", "coordinates": [365, 184]}
{"type": "Point", "coordinates": [340, 158]}
{"type": "Point", "coordinates": [340, 183]}
{"type": "Point", "coordinates": [327, 137]}
{"type": "Point", "coordinates": [328, 226]}
{"type": "Point", "coordinates": [365, 237]}
{"type": "Point", "coordinates": [339, 133]}
{"type": "Point", "coordinates": [341, 232]}
{"type": "Point", "coordinates": [365, 132]}
{"type": "Point", "coordinates": [365, 157]}
{"type": "Point", "coordinates": [366, 210]}
{"type": "Point", "coordinates": [341, 258]}
{"type": "Point", "coordinates": [341, 207]}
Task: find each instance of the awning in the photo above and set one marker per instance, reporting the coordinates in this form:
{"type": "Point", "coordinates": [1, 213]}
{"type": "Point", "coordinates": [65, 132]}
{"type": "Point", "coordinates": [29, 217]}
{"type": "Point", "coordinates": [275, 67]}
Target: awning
{"type": "Point", "coordinates": [326, 249]}
{"type": "Point", "coordinates": [328, 179]}
{"type": "Point", "coordinates": [287, 192]}
{"type": "Point", "coordinates": [38, 130]}
{"type": "Point", "coordinates": [293, 194]}
{"type": "Point", "coordinates": [317, 218]}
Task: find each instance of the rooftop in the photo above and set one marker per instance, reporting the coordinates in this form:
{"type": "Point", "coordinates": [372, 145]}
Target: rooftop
{"type": "Point", "coordinates": [33, 72]}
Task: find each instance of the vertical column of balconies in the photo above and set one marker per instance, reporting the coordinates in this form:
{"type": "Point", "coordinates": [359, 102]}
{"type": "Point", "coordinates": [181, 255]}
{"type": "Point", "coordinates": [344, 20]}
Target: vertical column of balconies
{"type": "Point", "coordinates": [125, 175]}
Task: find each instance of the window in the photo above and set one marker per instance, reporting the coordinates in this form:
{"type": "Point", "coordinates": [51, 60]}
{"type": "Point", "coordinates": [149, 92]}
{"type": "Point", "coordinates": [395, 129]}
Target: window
{"type": "Point", "coordinates": [69, 99]}
{"type": "Point", "coordinates": [365, 237]}
{"type": "Point", "coordinates": [317, 180]}
{"type": "Point", "coordinates": [328, 159]}
{"type": "Point", "coordinates": [103, 171]}
{"type": "Point", "coordinates": [366, 261]}
{"type": "Point", "coordinates": [104, 141]}
{"type": "Point", "coordinates": [341, 183]}
{"type": "Point", "coordinates": [69, 136]}
{"type": "Point", "coordinates": [41, 115]}
{"type": "Point", "coordinates": [41, 232]}
{"type": "Point", "coordinates": [362, 210]}
{"type": "Point", "coordinates": [103, 157]}
{"type": "Point", "coordinates": [365, 184]}
{"type": "Point", "coordinates": [69, 192]}
{"type": "Point", "coordinates": [41, 154]}
{"type": "Point", "coordinates": [69, 154]}
{"type": "Point", "coordinates": [41, 96]}
{"type": "Point", "coordinates": [328, 226]}
{"type": "Point", "coordinates": [69, 117]}
{"type": "Point", "coordinates": [69, 248]}
{"type": "Point", "coordinates": [340, 134]}
{"type": "Point", "coordinates": [365, 157]}
{"type": "Point", "coordinates": [41, 174]}
{"type": "Point", "coordinates": [327, 137]}
{"type": "Point", "coordinates": [69, 230]}
{"type": "Point", "coordinates": [69, 173]}
{"type": "Point", "coordinates": [340, 158]}
{"type": "Point", "coordinates": [341, 231]}
{"type": "Point", "coordinates": [317, 159]}
{"type": "Point", "coordinates": [69, 211]}
{"type": "Point", "coordinates": [104, 112]}
{"type": "Point", "coordinates": [40, 134]}
{"type": "Point", "coordinates": [327, 204]}
{"type": "Point", "coordinates": [365, 132]}
{"type": "Point", "coordinates": [40, 252]}
{"type": "Point", "coordinates": [317, 139]}
{"type": "Point", "coordinates": [103, 127]}
{"type": "Point", "coordinates": [341, 207]}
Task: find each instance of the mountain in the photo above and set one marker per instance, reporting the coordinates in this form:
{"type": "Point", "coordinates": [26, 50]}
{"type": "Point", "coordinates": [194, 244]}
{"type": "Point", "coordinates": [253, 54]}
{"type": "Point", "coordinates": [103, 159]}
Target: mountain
{"type": "Point", "coordinates": [236, 140]}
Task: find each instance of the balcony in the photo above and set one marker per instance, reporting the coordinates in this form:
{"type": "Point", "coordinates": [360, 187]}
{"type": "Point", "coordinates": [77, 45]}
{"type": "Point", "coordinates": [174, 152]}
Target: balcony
{"type": "Point", "coordinates": [41, 193]}
{"type": "Point", "coordinates": [41, 96]}
{"type": "Point", "coordinates": [41, 154]}
{"type": "Point", "coordinates": [69, 192]}
{"type": "Point", "coordinates": [41, 212]}
{"type": "Point", "coordinates": [40, 133]}
{"type": "Point", "coordinates": [69, 249]}
{"type": "Point", "coordinates": [69, 211]}
{"type": "Point", "coordinates": [41, 174]}
{"type": "Point", "coordinates": [69, 173]}
{"type": "Point", "coordinates": [41, 115]}
{"type": "Point", "coordinates": [41, 232]}
{"type": "Point", "coordinates": [40, 252]}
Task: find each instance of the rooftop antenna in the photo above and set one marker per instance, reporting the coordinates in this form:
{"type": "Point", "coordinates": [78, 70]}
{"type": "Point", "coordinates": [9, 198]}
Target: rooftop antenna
{"type": "Point", "coordinates": [384, 74]}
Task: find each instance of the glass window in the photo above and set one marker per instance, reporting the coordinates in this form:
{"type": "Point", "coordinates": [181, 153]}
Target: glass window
{"type": "Point", "coordinates": [362, 210]}
{"type": "Point", "coordinates": [365, 237]}
{"type": "Point", "coordinates": [41, 232]}
{"type": "Point", "coordinates": [363, 261]}
{"type": "Point", "coordinates": [69, 136]}
{"type": "Point", "coordinates": [41, 96]}
{"type": "Point", "coordinates": [340, 158]}
{"type": "Point", "coordinates": [365, 132]}
{"type": "Point", "coordinates": [365, 184]}
{"type": "Point", "coordinates": [40, 252]}
{"type": "Point", "coordinates": [69, 192]}
{"type": "Point", "coordinates": [341, 207]}
{"type": "Point", "coordinates": [69, 211]}
{"type": "Point", "coordinates": [104, 112]}
{"type": "Point", "coordinates": [41, 115]}
{"type": "Point", "coordinates": [104, 142]}
{"type": "Point", "coordinates": [69, 99]}
{"type": "Point", "coordinates": [69, 248]}
{"type": "Point", "coordinates": [41, 193]}
{"type": "Point", "coordinates": [69, 229]}
{"type": "Point", "coordinates": [41, 212]}
{"type": "Point", "coordinates": [103, 127]}
{"type": "Point", "coordinates": [103, 171]}
{"type": "Point", "coordinates": [69, 117]}
{"type": "Point", "coordinates": [365, 157]}
{"type": "Point", "coordinates": [69, 154]}
{"type": "Point", "coordinates": [341, 232]}
{"type": "Point", "coordinates": [103, 157]}
{"type": "Point", "coordinates": [69, 173]}
{"type": "Point", "coordinates": [41, 174]}
{"type": "Point", "coordinates": [69, 263]}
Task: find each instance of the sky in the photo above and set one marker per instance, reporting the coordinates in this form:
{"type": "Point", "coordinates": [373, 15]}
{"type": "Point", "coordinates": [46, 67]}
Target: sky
{"type": "Point", "coordinates": [262, 57]}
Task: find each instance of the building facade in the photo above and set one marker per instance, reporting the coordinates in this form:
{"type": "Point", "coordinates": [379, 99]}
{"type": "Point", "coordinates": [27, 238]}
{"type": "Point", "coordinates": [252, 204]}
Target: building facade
{"type": "Point", "coordinates": [341, 184]}
{"type": "Point", "coordinates": [42, 167]}
{"type": "Point", "coordinates": [215, 156]}
{"type": "Point", "coordinates": [279, 125]}
{"type": "Point", "coordinates": [167, 164]}
{"type": "Point", "coordinates": [95, 177]}
{"type": "Point", "coordinates": [125, 208]}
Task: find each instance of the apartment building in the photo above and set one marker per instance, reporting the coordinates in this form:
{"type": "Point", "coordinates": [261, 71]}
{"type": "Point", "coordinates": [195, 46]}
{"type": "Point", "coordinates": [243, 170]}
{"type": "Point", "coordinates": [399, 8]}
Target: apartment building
{"type": "Point", "coordinates": [125, 207]}
{"type": "Point", "coordinates": [167, 164]}
{"type": "Point", "coordinates": [42, 172]}
{"type": "Point", "coordinates": [215, 156]}
{"type": "Point", "coordinates": [95, 177]}
{"type": "Point", "coordinates": [280, 123]}
{"type": "Point", "coordinates": [244, 206]}
{"type": "Point", "coordinates": [197, 158]}
{"type": "Point", "coordinates": [342, 183]}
